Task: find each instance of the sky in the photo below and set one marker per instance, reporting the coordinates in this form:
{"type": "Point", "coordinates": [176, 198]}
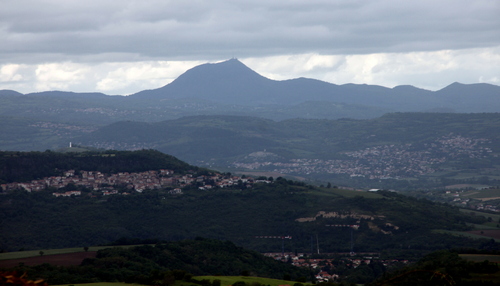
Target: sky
{"type": "Point", "coordinates": [122, 47]}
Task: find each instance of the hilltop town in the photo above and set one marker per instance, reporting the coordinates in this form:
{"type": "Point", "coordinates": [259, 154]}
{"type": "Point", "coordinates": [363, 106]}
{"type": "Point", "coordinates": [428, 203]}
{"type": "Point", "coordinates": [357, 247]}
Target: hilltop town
{"type": "Point", "coordinates": [110, 184]}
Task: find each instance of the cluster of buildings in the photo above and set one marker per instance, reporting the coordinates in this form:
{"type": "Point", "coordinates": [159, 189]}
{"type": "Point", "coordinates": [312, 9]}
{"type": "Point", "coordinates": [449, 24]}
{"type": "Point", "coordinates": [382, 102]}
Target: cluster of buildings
{"type": "Point", "coordinates": [384, 161]}
{"type": "Point", "coordinates": [461, 199]}
{"type": "Point", "coordinates": [326, 267]}
{"type": "Point", "coordinates": [109, 184]}
{"type": "Point", "coordinates": [456, 145]}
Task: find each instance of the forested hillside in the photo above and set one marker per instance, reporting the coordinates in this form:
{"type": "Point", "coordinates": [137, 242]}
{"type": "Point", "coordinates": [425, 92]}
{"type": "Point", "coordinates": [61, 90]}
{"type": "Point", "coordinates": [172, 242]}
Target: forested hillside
{"type": "Point", "coordinates": [388, 222]}
{"type": "Point", "coordinates": [164, 263]}
{"type": "Point", "coordinates": [26, 166]}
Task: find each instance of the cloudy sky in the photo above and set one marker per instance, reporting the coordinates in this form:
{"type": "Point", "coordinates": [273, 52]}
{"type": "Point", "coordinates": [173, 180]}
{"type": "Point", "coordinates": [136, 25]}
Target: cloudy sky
{"type": "Point", "coordinates": [122, 47]}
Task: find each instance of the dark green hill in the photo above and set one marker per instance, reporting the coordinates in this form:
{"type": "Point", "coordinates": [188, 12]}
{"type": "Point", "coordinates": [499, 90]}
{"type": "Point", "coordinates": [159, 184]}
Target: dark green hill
{"type": "Point", "coordinates": [167, 262]}
{"type": "Point", "coordinates": [26, 166]}
{"type": "Point", "coordinates": [443, 268]}
{"type": "Point", "coordinates": [387, 221]}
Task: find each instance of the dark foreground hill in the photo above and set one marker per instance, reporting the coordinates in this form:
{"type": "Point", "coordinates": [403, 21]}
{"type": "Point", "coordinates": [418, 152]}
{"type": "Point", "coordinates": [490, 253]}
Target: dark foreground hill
{"type": "Point", "coordinates": [166, 262]}
{"type": "Point", "coordinates": [242, 213]}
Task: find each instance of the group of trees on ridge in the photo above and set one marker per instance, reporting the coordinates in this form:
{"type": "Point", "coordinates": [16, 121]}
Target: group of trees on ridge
{"type": "Point", "coordinates": [26, 166]}
{"type": "Point", "coordinates": [165, 262]}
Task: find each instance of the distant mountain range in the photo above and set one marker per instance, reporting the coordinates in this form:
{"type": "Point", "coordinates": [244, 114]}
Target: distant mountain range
{"type": "Point", "coordinates": [231, 82]}
{"type": "Point", "coordinates": [231, 88]}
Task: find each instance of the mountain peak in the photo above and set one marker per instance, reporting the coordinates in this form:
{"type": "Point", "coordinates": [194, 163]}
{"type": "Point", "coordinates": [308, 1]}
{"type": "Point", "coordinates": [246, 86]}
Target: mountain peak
{"type": "Point", "coordinates": [214, 81]}
{"type": "Point", "coordinates": [228, 70]}
{"type": "Point", "coordinates": [232, 61]}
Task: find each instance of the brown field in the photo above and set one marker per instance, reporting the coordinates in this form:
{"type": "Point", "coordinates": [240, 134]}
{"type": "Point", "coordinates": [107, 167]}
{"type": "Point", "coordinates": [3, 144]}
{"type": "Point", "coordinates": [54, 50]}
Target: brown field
{"type": "Point", "coordinates": [493, 233]}
{"type": "Point", "coordinates": [65, 259]}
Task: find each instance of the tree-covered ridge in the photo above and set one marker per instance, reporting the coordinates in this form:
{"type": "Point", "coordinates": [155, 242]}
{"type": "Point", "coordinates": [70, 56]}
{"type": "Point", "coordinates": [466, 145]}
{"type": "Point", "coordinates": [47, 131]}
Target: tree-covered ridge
{"type": "Point", "coordinates": [442, 268]}
{"type": "Point", "coordinates": [396, 223]}
{"type": "Point", "coordinates": [166, 262]}
{"type": "Point", "coordinates": [26, 166]}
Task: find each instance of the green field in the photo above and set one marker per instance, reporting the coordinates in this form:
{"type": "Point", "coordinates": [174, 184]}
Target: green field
{"type": "Point", "coordinates": [33, 253]}
{"type": "Point", "coordinates": [494, 217]}
{"type": "Point", "coordinates": [464, 234]}
{"type": "Point", "coordinates": [346, 193]}
{"type": "Point", "coordinates": [225, 281]}
{"type": "Point", "coordinates": [230, 280]}
{"type": "Point", "coordinates": [482, 194]}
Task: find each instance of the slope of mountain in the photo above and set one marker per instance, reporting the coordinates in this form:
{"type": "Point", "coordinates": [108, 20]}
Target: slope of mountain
{"type": "Point", "coordinates": [237, 213]}
{"type": "Point", "coordinates": [470, 97]}
{"type": "Point", "coordinates": [231, 88]}
{"type": "Point", "coordinates": [257, 215]}
{"type": "Point", "coordinates": [7, 92]}
{"type": "Point", "coordinates": [234, 83]}
{"type": "Point", "coordinates": [228, 82]}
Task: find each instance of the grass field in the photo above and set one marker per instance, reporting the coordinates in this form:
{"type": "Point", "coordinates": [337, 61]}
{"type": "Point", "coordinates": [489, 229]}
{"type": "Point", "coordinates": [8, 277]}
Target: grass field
{"type": "Point", "coordinates": [230, 280]}
{"type": "Point", "coordinates": [494, 217]}
{"type": "Point", "coordinates": [485, 195]}
{"type": "Point", "coordinates": [465, 234]}
{"type": "Point", "coordinates": [481, 257]}
{"type": "Point", "coordinates": [484, 226]}
{"type": "Point", "coordinates": [346, 193]}
{"type": "Point", "coordinates": [225, 281]}
{"type": "Point", "coordinates": [33, 253]}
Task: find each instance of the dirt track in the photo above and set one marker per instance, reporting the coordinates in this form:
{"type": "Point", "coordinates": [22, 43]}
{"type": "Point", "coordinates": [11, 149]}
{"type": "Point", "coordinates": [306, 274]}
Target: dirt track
{"type": "Point", "coordinates": [66, 259]}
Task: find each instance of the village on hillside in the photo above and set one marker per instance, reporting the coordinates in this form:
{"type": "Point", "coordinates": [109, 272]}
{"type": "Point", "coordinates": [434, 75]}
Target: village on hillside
{"type": "Point", "coordinates": [109, 184]}
{"type": "Point", "coordinates": [380, 162]}
{"type": "Point", "coordinates": [327, 268]}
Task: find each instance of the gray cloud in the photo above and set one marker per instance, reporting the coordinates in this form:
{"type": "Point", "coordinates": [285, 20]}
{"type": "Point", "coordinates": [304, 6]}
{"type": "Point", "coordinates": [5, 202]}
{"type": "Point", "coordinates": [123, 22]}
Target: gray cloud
{"type": "Point", "coordinates": [214, 29]}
